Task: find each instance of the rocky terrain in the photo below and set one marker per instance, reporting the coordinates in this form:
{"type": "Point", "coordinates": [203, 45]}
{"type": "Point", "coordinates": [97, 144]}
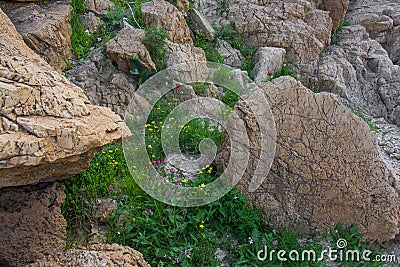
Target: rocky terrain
{"type": "Point", "coordinates": [337, 122]}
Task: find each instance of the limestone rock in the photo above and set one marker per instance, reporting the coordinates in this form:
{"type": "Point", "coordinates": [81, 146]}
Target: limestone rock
{"type": "Point", "coordinates": [183, 53]}
{"type": "Point", "coordinates": [381, 18]}
{"type": "Point", "coordinates": [200, 25]}
{"type": "Point", "coordinates": [182, 5]}
{"type": "Point", "coordinates": [103, 83]}
{"type": "Point", "coordinates": [45, 28]}
{"type": "Point", "coordinates": [214, 10]}
{"type": "Point", "coordinates": [100, 7]}
{"type": "Point", "coordinates": [337, 10]}
{"type": "Point", "coordinates": [360, 70]}
{"type": "Point", "coordinates": [297, 26]}
{"type": "Point", "coordinates": [32, 225]}
{"type": "Point", "coordinates": [232, 57]}
{"type": "Point", "coordinates": [95, 255]}
{"type": "Point", "coordinates": [49, 129]}
{"type": "Point", "coordinates": [327, 168]}
{"type": "Point", "coordinates": [127, 45]}
{"type": "Point", "coordinates": [159, 13]}
{"type": "Point", "coordinates": [267, 59]}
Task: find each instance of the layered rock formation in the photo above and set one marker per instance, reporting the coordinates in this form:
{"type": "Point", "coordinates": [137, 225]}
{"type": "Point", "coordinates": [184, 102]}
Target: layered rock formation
{"type": "Point", "coordinates": [297, 26]}
{"type": "Point", "coordinates": [47, 122]}
{"type": "Point", "coordinates": [327, 168]}
{"type": "Point", "coordinates": [45, 28]}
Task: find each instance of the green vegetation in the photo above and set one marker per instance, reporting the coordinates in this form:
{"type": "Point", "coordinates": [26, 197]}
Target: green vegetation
{"type": "Point", "coordinates": [81, 40]}
{"type": "Point", "coordinates": [155, 40]}
{"type": "Point", "coordinates": [369, 121]}
{"type": "Point", "coordinates": [283, 71]}
{"type": "Point", "coordinates": [212, 54]}
{"type": "Point", "coordinates": [336, 32]}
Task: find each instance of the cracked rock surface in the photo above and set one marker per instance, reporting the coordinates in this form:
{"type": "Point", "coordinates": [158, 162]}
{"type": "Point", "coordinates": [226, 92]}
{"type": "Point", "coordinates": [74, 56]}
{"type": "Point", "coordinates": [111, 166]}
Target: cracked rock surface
{"type": "Point", "coordinates": [32, 225]}
{"type": "Point", "coordinates": [45, 28]}
{"type": "Point", "coordinates": [327, 167]}
{"type": "Point", "coordinates": [297, 26]}
{"type": "Point", "coordinates": [95, 255]}
{"type": "Point", "coordinates": [48, 129]}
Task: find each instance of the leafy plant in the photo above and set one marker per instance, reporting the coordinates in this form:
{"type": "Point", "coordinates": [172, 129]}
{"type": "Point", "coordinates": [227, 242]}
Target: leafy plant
{"type": "Point", "coordinates": [81, 40]}
{"type": "Point", "coordinates": [155, 40]}
{"type": "Point", "coordinates": [336, 33]}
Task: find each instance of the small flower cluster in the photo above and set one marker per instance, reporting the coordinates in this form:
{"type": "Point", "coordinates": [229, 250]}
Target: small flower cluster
{"type": "Point", "coordinates": [115, 189]}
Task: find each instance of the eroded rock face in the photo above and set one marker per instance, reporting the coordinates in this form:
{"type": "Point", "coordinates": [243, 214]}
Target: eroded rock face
{"type": "Point", "coordinates": [127, 45]}
{"type": "Point", "coordinates": [232, 57]}
{"type": "Point", "coordinates": [45, 28]}
{"type": "Point", "coordinates": [100, 7]}
{"type": "Point", "coordinates": [200, 25]}
{"type": "Point", "coordinates": [337, 10]}
{"type": "Point", "coordinates": [103, 83]}
{"type": "Point", "coordinates": [49, 129]}
{"type": "Point", "coordinates": [360, 70]}
{"type": "Point", "coordinates": [32, 225]}
{"type": "Point", "coordinates": [95, 255]}
{"type": "Point", "coordinates": [183, 53]}
{"type": "Point", "coordinates": [327, 168]}
{"type": "Point", "coordinates": [297, 26]}
{"type": "Point", "coordinates": [381, 18]}
{"type": "Point", "coordinates": [159, 13]}
{"type": "Point", "coordinates": [267, 60]}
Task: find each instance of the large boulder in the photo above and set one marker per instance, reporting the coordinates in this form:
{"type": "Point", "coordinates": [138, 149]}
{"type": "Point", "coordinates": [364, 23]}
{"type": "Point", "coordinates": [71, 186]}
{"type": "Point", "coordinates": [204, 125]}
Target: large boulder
{"type": "Point", "coordinates": [32, 225]}
{"type": "Point", "coordinates": [268, 60]}
{"type": "Point", "coordinates": [95, 255]}
{"type": "Point", "coordinates": [45, 28]}
{"type": "Point", "coordinates": [160, 13]}
{"type": "Point", "coordinates": [327, 168]}
{"type": "Point", "coordinates": [127, 45]}
{"type": "Point", "coordinates": [297, 26]}
{"type": "Point", "coordinates": [49, 130]}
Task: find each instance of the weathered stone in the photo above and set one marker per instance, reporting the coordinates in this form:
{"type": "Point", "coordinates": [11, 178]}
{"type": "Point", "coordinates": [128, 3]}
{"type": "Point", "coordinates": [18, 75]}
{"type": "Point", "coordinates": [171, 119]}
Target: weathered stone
{"type": "Point", "coordinates": [95, 255]}
{"type": "Point", "coordinates": [267, 60]}
{"type": "Point", "coordinates": [162, 14]}
{"type": "Point", "coordinates": [200, 25]}
{"type": "Point", "coordinates": [51, 130]}
{"type": "Point", "coordinates": [103, 83]}
{"type": "Point", "coordinates": [100, 7]}
{"type": "Point", "coordinates": [127, 45]}
{"type": "Point", "coordinates": [45, 29]}
{"type": "Point", "coordinates": [297, 26]}
{"type": "Point", "coordinates": [183, 53]}
{"type": "Point", "coordinates": [337, 10]}
{"type": "Point", "coordinates": [232, 57]}
{"type": "Point", "coordinates": [360, 70]}
{"type": "Point", "coordinates": [91, 21]}
{"type": "Point", "coordinates": [183, 5]}
{"type": "Point", "coordinates": [327, 168]}
{"type": "Point", "coordinates": [31, 225]}
{"type": "Point", "coordinates": [381, 20]}
{"type": "Point", "coordinates": [214, 10]}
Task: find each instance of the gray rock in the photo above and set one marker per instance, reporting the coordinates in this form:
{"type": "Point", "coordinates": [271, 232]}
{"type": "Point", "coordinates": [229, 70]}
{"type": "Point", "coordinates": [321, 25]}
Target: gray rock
{"type": "Point", "coordinates": [360, 70]}
{"type": "Point", "coordinates": [232, 57]}
{"type": "Point", "coordinates": [267, 60]}
{"type": "Point", "coordinates": [45, 29]}
{"type": "Point", "coordinates": [200, 25]}
{"type": "Point", "coordinates": [103, 83]}
{"type": "Point", "coordinates": [127, 45]}
{"type": "Point", "coordinates": [381, 18]}
{"type": "Point", "coordinates": [297, 26]}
